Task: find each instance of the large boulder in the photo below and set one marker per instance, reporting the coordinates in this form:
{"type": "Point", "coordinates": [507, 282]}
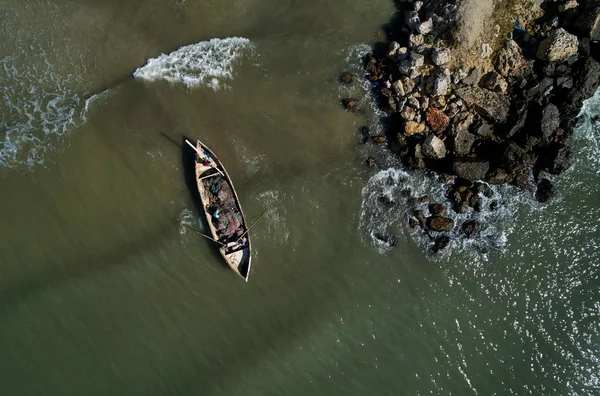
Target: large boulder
{"type": "Point", "coordinates": [514, 157]}
{"type": "Point", "coordinates": [490, 105]}
{"type": "Point", "coordinates": [470, 170]}
{"type": "Point", "coordinates": [545, 190]}
{"type": "Point", "coordinates": [588, 23]}
{"type": "Point", "coordinates": [440, 224]}
{"type": "Point", "coordinates": [558, 47]}
{"type": "Point", "coordinates": [434, 147]}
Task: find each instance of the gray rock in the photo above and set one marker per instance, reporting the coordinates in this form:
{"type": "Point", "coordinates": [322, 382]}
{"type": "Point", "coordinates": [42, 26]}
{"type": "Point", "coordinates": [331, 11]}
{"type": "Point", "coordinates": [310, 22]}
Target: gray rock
{"type": "Point", "coordinates": [459, 75]}
{"type": "Point", "coordinates": [515, 157]}
{"type": "Point", "coordinates": [412, 19]}
{"type": "Point", "coordinates": [470, 227]}
{"type": "Point", "coordinates": [463, 141]}
{"type": "Point", "coordinates": [491, 105]}
{"type": "Point", "coordinates": [424, 100]}
{"type": "Point", "coordinates": [484, 129]}
{"type": "Point", "coordinates": [413, 102]}
{"type": "Point", "coordinates": [494, 82]}
{"type": "Point", "coordinates": [425, 27]}
{"type": "Point", "coordinates": [564, 82]}
{"type": "Point", "coordinates": [441, 56]}
{"type": "Point", "coordinates": [510, 59]}
{"type": "Point", "coordinates": [438, 84]}
{"type": "Point", "coordinates": [414, 40]}
{"type": "Point", "coordinates": [434, 147]}
{"type": "Point", "coordinates": [440, 224]}
{"type": "Point", "coordinates": [417, 5]}
{"type": "Point", "coordinates": [558, 47]}
{"type": "Point", "coordinates": [452, 110]}
{"type": "Point", "coordinates": [550, 120]}
{"type": "Point", "coordinates": [472, 78]}
{"type": "Point", "coordinates": [545, 190]}
{"type": "Point", "coordinates": [402, 53]}
{"type": "Point", "coordinates": [417, 60]}
{"type": "Point", "coordinates": [471, 170]}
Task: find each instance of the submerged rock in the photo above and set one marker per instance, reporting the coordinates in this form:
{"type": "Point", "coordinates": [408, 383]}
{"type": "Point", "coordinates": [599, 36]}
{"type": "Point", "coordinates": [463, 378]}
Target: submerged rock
{"type": "Point", "coordinates": [545, 190]}
{"type": "Point", "coordinates": [440, 224]}
{"type": "Point", "coordinates": [346, 77]}
{"type": "Point", "coordinates": [349, 104]}
{"type": "Point", "coordinates": [441, 243]}
{"type": "Point", "coordinates": [470, 227]}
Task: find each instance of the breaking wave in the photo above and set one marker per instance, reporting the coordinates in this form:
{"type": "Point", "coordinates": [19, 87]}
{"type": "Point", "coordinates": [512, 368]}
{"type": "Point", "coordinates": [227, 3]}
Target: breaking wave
{"type": "Point", "coordinates": [206, 63]}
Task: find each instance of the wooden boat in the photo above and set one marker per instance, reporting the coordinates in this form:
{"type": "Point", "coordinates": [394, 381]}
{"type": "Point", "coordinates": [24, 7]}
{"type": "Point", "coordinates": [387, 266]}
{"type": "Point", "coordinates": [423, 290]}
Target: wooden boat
{"type": "Point", "coordinates": [223, 211]}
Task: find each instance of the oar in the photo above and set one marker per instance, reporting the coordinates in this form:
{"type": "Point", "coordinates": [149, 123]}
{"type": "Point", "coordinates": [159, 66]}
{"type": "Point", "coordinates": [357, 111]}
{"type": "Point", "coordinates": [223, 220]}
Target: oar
{"type": "Point", "coordinates": [204, 235]}
{"type": "Point", "coordinates": [200, 155]}
{"type": "Point", "coordinates": [251, 225]}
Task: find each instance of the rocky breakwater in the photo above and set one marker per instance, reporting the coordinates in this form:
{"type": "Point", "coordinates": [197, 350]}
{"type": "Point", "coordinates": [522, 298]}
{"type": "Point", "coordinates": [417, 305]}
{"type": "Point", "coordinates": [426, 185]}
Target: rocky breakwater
{"type": "Point", "coordinates": [506, 120]}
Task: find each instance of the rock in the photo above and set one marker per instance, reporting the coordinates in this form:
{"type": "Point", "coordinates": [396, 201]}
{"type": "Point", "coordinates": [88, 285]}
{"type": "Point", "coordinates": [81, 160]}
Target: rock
{"type": "Point", "coordinates": [558, 47]}
{"type": "Point", "coordinates": [494, 82]}
{"type": "Point", "coordinates": [398, 88]}
{"type": "Point", "coordinates": [490, 105]}
{"type": "Point", "coordinates": [439, 102]}
{"type": "Point", "coordinates": [386, 201]}
{"type": "Point", "coordinates": [459, 75]}
{"type": "Point", "coordinates": [415, 40]}
{"type": "Point", "coordinates": [586, 79]}
{"type": "Point", "coordinates": [413, 223]}
{"type": "Point", "coordinates": [510, 59]}
{"type": "Point", "coordinates": [514, 157]}
{"type": "Point", "coordinates": [486, 51]}
{"type": "Point", "coordinates": [472, 78]}
{"type": "Point", "coordinates": [441, 56]}
{"type": "Point", "coordinates": [545, 190]}
{"type": "Point", "coordinates": [389, 240]}
{"type": "Point", "coordinates": [413, 127]}
{"type": "Point", "coordinates": [364, 134]}
{"type": "Point", "coordinates": [417, 5]}
{"type": "Point", "coordinates": [437, 209]}
{"type": "Point", "coordinates": [484, 129]}
{"type": "Point", "coordinates": [438, 84]}
{"type": "Point", "coordinates": [440, 224]}
{"type": "Point", "coordinates": [349, 104]}
{"type": "Point", "coordinates": [415, 158]}
{"type": "Point", "coordinates": [346, 77]}
{"type": "Point", "coordinates": [370, 161]}
{"type": "Point", "coordinates": [408, 84]}
{"type": "Point", "coordinates": [387, 103]}
{"type": "Point", "coordinates": [437, 119]}
{"type": "Point", "coordinates": [497, 176]}
{"type": "Point", "coordinates": [408, 113]}
{"type": "Point", "coordinates": [556, 158]}
{"type": "Point", "coordinates": [441, 243]}
{"type": "Point", "coordinates": [417, 60]}
{"type": "Point", "coordinates": [434, 147]}
{"type": "Point", "coordinates": [420, 217]}
{"type": "Point", "coordinates": [550, 120]}
{"type": "Point", "coordinates": [424, 102]}
{"type": "Point", "coordinates": [470, 227]}
{"type": "Point", "coordinates": [393, 49]}
{"type": "Point", "coordinates": [471, 170]}
{"type": "Point", "coordinates": [564, 82]}
{"type": "Point", "coordinates": [588, 23]}
{"type": "Point", "coordinates": [413, 102]}
{"type": "Point", "coordinates": [425, 27]}
{"type": "Point", "coordinates": [412, 19]}
{"type": "Point", "coordinates": [463, 141]}
{"type": "Point", "coordinates": [567, 5]}
{"type": "Point", "coordinates": [379, 139]}
{"type": "Point", "coordinates": [417, 201]}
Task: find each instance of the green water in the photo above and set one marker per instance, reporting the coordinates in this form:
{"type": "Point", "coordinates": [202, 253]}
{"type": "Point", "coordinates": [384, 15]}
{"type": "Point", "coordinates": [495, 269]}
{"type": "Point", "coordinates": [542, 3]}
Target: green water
{"type": "Point", "coordinates": [103, 293]}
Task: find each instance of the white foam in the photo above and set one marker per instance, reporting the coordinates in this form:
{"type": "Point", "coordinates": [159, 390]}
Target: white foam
{"type": "Point", "coordinates": [206, 63]}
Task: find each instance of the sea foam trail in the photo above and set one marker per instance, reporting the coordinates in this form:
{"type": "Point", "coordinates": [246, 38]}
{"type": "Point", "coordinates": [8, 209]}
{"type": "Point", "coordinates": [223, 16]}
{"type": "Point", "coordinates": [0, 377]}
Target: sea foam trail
{"type": "Point", "coordinates": [206, 63]}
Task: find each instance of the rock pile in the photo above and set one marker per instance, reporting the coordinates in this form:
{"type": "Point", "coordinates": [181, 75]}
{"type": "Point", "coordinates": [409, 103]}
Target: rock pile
{"type": "Point", "coordinates": [508, 124]}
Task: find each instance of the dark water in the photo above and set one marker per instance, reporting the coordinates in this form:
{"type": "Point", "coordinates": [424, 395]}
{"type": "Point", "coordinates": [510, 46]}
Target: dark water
{"type": "Point", "coordinates": [102, 292]}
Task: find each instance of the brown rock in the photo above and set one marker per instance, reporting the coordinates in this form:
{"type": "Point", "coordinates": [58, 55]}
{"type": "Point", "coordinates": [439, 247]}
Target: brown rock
{"type": "Point", "coordinates": [346, 77]}
{"type": "Point", "coordinates": [412, 128]}
{"type": "Point", "coordinates": [349, 104]}
{"type": "Point", "coordinates": [379, 139]}
{"type": "Point", "coordinates": [437, 209]}
{"type": "Point", "coordinates": [440, 224]}
{"type": "Point", "coordinates": [437, 119]}
{"type": "Point", "coordinates": [370, 161]}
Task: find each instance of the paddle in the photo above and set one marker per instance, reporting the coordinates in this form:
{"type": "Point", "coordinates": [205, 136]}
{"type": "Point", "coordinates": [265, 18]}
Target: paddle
{"type": "Point", "coordinates": [200, 155]}
{"type": "Point", "coordinates": [204, 235]}
{"type": "Point", "coordinates": [251, 225]}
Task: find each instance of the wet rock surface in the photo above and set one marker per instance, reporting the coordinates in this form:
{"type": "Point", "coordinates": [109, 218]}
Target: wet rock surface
{"type": "Point", "coordinates": [506, 121]}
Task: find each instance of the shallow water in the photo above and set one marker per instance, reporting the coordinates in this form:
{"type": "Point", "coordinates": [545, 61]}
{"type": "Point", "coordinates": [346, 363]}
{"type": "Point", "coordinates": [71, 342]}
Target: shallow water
{"type": "Point", "coordinates": [102, 292]}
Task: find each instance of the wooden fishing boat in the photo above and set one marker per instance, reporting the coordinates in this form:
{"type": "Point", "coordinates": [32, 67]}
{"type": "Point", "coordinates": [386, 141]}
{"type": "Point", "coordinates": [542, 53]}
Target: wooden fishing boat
{"type": "Point", "coordinates": [223, 211]}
